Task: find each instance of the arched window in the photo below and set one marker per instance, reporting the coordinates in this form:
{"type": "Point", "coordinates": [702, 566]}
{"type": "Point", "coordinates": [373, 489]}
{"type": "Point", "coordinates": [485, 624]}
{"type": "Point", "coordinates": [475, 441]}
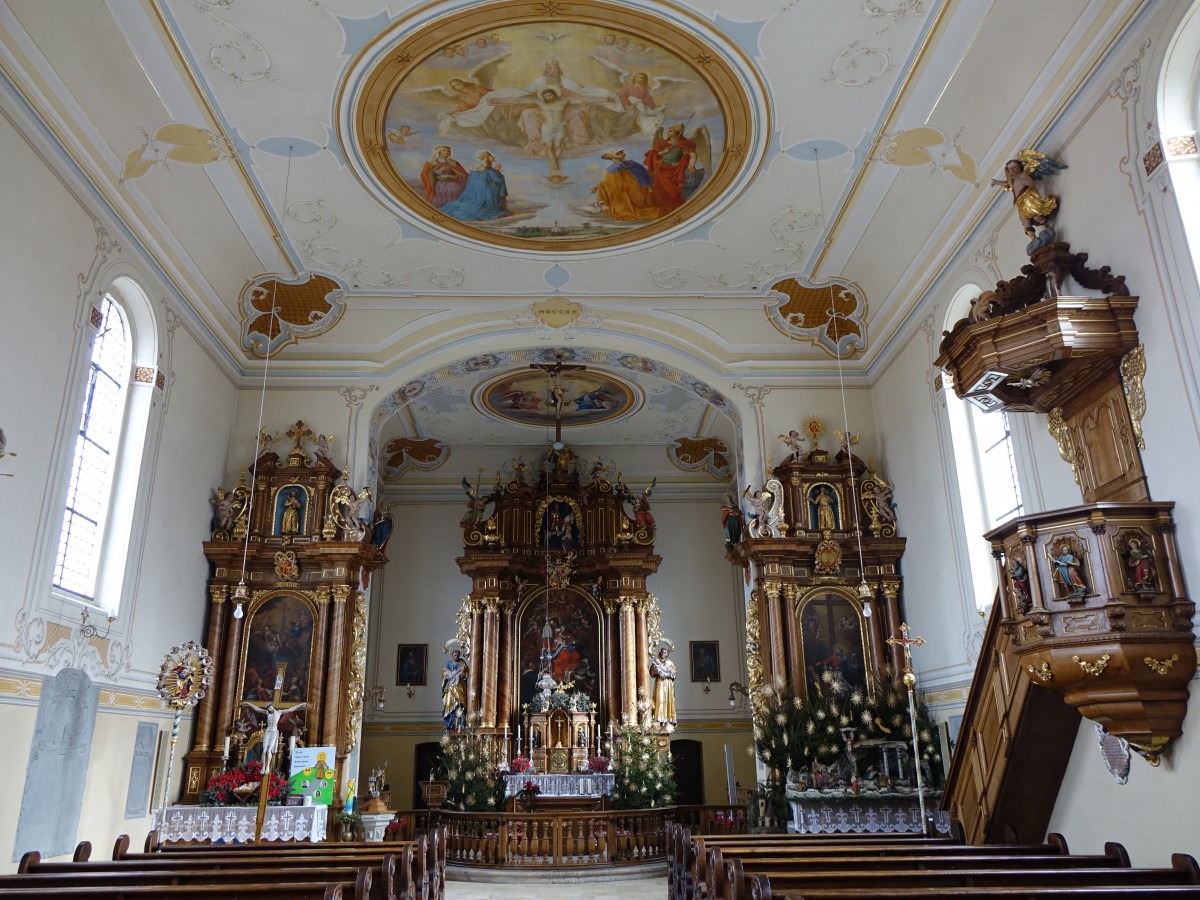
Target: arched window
{"type": "Point", "coordinates": [989, 491]}
{"type": "Point", "coordinates": [104, 451]}
{"type": "Point", "coordinates": [93, 464]}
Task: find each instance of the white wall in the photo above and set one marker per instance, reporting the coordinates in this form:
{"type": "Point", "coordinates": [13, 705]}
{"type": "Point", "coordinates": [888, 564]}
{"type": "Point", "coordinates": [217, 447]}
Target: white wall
{"type": "Point", "coordinates": [45, 256]}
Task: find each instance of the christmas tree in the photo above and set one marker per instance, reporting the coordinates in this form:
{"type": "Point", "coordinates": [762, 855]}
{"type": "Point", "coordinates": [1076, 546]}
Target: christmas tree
{"type": "Point", "coordinates": [468, 763]}
{"type": "Point", "coordinates": [645, 778]}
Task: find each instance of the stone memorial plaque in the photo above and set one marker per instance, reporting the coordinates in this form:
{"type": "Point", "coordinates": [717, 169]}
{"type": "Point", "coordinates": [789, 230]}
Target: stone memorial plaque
{"type": "Point", "coordinates": [58, 762]}
{"type": "Point", "coordinates": [137, 797]}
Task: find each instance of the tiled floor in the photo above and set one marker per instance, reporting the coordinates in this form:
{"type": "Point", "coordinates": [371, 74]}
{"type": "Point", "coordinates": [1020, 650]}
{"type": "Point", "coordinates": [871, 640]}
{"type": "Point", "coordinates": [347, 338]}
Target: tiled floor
{"type": "Point", "coordinates": [532, 887]}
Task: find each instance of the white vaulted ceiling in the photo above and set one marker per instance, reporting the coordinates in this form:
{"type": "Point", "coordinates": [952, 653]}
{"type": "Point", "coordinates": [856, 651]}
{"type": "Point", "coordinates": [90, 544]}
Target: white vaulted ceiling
{"type": "Point", "coordinates": [226, 135]}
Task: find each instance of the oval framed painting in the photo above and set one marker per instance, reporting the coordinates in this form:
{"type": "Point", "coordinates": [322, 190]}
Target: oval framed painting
{"type": "Point", "coordinates": [555, 126]}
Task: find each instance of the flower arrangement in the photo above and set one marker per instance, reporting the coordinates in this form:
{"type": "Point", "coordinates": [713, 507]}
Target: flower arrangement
{"type": "Point", "coordinates": [394, 829]}
{"type": "Point", "coordinates": [240, 785]}
{"type": "Point", "coordinates": [348, 818]}
{"type": "Point", "coordinates": [529, 790]}
{"type": "Point", "coordinates": [597, 764]}
{"type": "Point", "coordinates": [521, 764]}
{"type": "Point", "coordinates": [577, 701]}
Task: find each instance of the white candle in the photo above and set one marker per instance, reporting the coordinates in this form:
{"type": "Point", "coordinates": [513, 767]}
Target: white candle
{"type": "Point", "coordinates": [226, 746]}
{"type": "Point", "coordinates": [292, 744]}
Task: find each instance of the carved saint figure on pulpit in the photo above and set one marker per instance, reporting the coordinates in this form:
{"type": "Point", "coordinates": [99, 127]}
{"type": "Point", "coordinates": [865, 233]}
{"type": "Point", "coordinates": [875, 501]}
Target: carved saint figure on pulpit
{"type": "Point", "coordinates": [1141, 566]}
{"type": "Point", "coordinates": [662, 670]}
{"type": "Point", "coordinates": [1066, 572]}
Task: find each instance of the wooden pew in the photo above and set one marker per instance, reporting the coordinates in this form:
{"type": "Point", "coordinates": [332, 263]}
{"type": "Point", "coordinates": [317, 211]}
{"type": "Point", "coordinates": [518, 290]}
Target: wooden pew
{"type": "Point", "coordinates": [761, 890]}
{"type": "Point", "coordinates": [257, 891]}
{"type": "Point", "coordinates": [898, 883]}
{"type": "Point", "coordinates": [428, 867]}
{"type": "Point", "coordinates": [696, 882]}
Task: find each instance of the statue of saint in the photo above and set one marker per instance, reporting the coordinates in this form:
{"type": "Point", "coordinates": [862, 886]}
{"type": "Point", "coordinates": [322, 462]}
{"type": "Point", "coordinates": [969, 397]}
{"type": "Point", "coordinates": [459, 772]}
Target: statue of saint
{"type": "Point", "coordinates": [662, 670]}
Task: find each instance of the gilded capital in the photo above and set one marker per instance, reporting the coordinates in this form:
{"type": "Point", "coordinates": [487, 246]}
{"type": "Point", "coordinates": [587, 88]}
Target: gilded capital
{"type": "Point", "coordinates": [341, 593]}
{"type": "Point", "coordinates": [218, 593]}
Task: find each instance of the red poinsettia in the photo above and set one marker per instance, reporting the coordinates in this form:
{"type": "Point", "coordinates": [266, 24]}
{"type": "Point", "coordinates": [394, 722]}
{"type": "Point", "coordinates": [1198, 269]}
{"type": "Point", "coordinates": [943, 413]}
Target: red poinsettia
{"type": "Point", "coordinates": [521, 764]}
{"type": "Point", "coordinates": [240, 785]}
{"type": "Point", "coordinates": [597, 763]}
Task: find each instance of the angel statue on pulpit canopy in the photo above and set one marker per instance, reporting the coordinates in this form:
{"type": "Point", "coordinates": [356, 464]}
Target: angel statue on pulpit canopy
{"type": "Point", "coordinates": [1033, 209]}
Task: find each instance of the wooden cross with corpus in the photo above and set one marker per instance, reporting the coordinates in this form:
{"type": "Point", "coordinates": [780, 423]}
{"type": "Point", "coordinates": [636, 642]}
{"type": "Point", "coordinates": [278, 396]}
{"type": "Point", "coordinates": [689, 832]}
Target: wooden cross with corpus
{"type": "Point", "coordinates": [558, 393]}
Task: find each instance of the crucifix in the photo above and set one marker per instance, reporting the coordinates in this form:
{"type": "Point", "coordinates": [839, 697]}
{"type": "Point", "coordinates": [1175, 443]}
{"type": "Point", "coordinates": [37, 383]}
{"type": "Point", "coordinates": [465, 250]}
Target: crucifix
{"type": "Point", "coordinates": [270, 740]}
{"type": "Point", "coordinates": [909, 681]}
{"type": "Point", "coordinates": [558, 394]}
{"type": "Point", "coordinates": [299, 432]}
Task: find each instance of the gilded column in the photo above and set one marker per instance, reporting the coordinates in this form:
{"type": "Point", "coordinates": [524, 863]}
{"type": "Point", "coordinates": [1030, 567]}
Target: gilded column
{"type": "Point", "coordinates": [491, 662]}
{"type": "Point", "coordinates": [230, 701]}
{"type": "Point", "coordinates": [475, 668]}
{"type": "Point", "coordinates": [612, 677]}
{"type": "Point", "coordinates": [629, 660]}
{"type": "Point", "coordinates": [356, 678]}
{"type": "Point", "coordinates": [754, 665]}
{"type": "Point", "coordinates": [206, 709]}
{"type": "Point", "coordinates": [331, 699]}
{"type": "Point", "coordinates": [642, 659]}
{"type": "Point", "coordinates": [791, 598]}
{"type": "Point", "coordinates": [316, 681]}
{"type": "Point", "coordinates": [775, 664]}
{"type": "Point", "coordinates": [505, 692]}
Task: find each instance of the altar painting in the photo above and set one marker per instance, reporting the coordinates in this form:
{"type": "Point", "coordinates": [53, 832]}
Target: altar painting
{"type": "Point", "coordinates": [572, 653]}
{"type": "Point", "coordinates": [585, 127]}
{"type": "Point", "coordinates": [278, 651]}
{"type": "Point", "coordinates": [831, 634]}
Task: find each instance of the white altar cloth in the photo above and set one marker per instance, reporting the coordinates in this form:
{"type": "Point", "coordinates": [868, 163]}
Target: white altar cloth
{"type": "Point", "coordinates": [573, 785]}
{"type": "Point", "coordinates": [236, 823]}
{"type": "Point", "coordinates": [837, 812]}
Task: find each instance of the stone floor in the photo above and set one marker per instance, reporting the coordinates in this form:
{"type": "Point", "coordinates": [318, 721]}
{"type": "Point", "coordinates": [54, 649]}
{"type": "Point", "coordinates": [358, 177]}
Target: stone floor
{"type": "Point", "coordinates": [532, 887]}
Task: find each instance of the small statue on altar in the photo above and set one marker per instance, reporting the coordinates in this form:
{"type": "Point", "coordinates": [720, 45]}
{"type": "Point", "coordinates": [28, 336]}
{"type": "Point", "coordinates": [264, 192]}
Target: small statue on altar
{"type": "Point", "coordinates": [454, 692]}
{"type": "Point", "coordinates": [642, 516]}
{"type": "Point", "coordinates": [270, 739]}
{"type": "Point", "coordinates": [794, 441]}
{"type": "Point", "coordinates": [731, 520]}
{"type": "Point", "coordinates": [662, 670]}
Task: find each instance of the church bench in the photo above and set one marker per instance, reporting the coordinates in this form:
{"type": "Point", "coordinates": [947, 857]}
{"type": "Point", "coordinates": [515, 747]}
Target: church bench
{"type": "Point", "coordinates": [727, 878]}
{"type": "Point", "coordinates": [760, 889]}
{"type": "Point", "coordinates": [693, 879]}
{"type": "Point", "coordinates": [420, 873]}
{"type": "Point", "coordinates": [387, 878]}
{"type": "Point", "coordinates": [735, 881]}
{"type": "Point", "coordinates": [266, 891]}
{"type": "Point", "coordinates": [355, 882]}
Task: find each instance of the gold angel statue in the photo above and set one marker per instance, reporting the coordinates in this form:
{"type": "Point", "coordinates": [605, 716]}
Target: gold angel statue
{"type": "Point", "coordinates": [1019, 176]}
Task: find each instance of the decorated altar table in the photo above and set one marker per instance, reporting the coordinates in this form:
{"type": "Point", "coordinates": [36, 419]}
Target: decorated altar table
{"type": "Point", "coordinates": [568, 785]}
{"type": "Point", "coordinates": [236, 823]}
{"type": "Point", "coordinates": [831, 812]}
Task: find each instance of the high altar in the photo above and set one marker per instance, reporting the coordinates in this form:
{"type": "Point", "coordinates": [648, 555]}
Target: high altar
{"type": "Point", "coordinates": [558, 632]}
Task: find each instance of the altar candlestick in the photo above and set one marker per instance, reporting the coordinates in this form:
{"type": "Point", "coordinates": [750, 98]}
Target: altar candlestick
{"type": "Point", "coordinates": [506, 742]}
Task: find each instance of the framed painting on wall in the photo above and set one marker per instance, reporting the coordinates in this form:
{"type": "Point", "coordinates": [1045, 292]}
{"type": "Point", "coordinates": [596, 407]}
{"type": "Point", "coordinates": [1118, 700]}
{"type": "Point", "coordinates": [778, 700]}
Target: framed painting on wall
{"type": "Point", "coordinates": [705, 657]}
{"type": "Point", "coordinates": [411, 662]}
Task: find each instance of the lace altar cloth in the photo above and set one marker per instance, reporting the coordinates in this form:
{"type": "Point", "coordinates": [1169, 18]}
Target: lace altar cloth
{"type": "Point", "coordinates": [573, 785]}
{"type": "Point", "coordinates": [236, 823]}
{"type": "Point", "coordinates": [832, 812]}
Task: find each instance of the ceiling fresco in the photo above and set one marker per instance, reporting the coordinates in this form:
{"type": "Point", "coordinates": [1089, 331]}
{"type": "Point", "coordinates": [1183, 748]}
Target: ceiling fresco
{"type": "Point", "coordinates": [588, 126]}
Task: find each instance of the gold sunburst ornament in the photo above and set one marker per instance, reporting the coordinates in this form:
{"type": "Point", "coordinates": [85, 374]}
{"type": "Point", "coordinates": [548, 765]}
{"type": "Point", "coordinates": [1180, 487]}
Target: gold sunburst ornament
{"type": "Point", "coordinates": [814, 428]}
{"type": "Point", "coordinates": [183, 679]}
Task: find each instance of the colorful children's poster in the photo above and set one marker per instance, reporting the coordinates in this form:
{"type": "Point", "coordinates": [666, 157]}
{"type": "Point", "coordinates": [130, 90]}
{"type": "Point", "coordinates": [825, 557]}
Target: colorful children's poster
{"type": "Point", "coordinates": [313, 774]}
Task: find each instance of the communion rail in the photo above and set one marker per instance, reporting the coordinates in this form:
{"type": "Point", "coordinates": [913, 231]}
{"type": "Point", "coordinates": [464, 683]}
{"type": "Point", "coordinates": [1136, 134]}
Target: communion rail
{"type": "Point", "coordinates": [576, 839]}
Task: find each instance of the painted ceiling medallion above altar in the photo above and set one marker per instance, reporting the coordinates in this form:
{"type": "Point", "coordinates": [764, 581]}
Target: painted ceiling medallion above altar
{"type": "Point", "coordinates": [586, 397]}
{"type": "Point", "coordinates": [586, 126]}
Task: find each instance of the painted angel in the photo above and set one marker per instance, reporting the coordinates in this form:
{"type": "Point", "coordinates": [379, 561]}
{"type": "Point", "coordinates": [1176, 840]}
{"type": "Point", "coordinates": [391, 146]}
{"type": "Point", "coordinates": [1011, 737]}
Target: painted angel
{"type": "Point", "coordinates": [677, 163]}
{"type": "Point", "coordinates": [1019, 176]}
{"type": "Point", "coordinates": [640, 97]}
{"type": "Point", "coordinates": [472, 112]}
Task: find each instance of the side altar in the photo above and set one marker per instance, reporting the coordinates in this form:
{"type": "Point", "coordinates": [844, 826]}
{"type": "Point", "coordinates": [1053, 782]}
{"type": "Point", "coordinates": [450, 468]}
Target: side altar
{"type": "Point", "coordinates": [292, 548]}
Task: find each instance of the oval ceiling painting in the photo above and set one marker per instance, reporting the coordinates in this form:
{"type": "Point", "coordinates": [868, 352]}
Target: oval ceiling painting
{"type": "Point", "coordinates": [553, 126]}
{"type": "Point", "coordinates": [574, 396]}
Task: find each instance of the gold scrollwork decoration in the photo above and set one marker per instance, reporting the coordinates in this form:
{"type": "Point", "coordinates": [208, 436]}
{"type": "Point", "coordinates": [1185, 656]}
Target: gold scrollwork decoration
{"type": "Point", "coordinates": [1161, 666]}
{"type": "Point", "coordinates": [754, 666]}
{"type": "Point", "coordinates": [1042, 673]}
{"type": "Point", "coordinates": [1133, 370]}
{"type": "Point", "coordinates": [1061, 433]}
{"type": "Point", "coordinates": [356, 689]}
{"type": "Point", "coordinates": [1095, 669]}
